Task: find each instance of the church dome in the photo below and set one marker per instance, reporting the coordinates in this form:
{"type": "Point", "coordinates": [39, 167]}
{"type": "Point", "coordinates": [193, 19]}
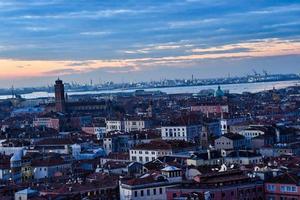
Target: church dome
{"type": "Point", "coordinates": [219, 92]}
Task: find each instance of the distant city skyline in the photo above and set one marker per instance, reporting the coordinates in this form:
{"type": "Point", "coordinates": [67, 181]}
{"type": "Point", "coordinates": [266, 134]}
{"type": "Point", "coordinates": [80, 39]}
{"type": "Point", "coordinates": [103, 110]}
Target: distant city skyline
{"type": "Point", "coordinates": [124, 41]}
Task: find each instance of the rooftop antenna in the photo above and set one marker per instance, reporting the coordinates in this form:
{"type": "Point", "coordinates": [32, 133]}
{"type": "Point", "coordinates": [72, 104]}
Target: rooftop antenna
{"type": "Point", "coordinates": [12, 92]}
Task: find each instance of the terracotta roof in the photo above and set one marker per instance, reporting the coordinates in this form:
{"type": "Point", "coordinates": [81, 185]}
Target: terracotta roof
{"type": "Point", "coordinates": [233, 136]}
{"type": "Point", "coordinates": [118, 156]}
{"type": "Point", "coordinates": [48, 162]}
{"type": "Point", "coordinates": [56, 141]}
{"type": "Point", "coordinates": [243, 154]}
{"type": "Point", "coordinates": [287, 178]}
{"type": "Point", "coordinates": [145, 179]}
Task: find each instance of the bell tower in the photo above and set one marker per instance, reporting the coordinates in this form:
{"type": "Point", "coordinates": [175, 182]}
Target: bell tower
{"type": "Point", "coordinates": [60, 102]}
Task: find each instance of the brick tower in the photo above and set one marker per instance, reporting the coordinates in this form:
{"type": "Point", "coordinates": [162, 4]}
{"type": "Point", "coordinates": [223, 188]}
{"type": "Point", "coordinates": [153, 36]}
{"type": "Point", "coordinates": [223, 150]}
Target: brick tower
{"type": "Point", "coordinates": [60, 103]}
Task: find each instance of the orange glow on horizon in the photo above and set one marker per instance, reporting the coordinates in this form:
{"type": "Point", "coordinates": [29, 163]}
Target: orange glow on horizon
{"type": "Point", "coordinates": [11, 68]}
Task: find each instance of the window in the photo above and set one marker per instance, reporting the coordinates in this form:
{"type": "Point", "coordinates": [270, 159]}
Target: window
{"type": "Point", "coordinates": [148, 192]}
{"type": "Point", "coordinates": [135, 193]}
{"type": "Point", "coordinates": [271, 188]}
{"type": "Point", "coordinates": [142, 193]}
{"type": "Point", "coordinates": [154, 191]}
{"type": "Point", "coordinates": [288, 188]}
{"type": "Point", "coordinates": [160, 191]}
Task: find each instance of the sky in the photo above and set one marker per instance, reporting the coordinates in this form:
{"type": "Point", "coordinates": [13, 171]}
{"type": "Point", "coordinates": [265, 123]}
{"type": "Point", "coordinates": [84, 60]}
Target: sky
{"type": "Point", "coordinates": [145, 40]}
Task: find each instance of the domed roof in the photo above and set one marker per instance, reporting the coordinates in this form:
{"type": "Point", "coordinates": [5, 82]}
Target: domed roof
{"type": "Point", "coordinates": [170, 168]}
{"type": "Point", "coordinates": [219, 92]}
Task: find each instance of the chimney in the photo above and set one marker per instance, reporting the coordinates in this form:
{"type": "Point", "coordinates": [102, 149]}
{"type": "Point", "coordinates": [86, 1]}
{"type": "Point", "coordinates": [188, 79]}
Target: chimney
{"type": "Point", "coordinates": [277, 135]}
{"type": "Point", "coordinates": [208, 154]}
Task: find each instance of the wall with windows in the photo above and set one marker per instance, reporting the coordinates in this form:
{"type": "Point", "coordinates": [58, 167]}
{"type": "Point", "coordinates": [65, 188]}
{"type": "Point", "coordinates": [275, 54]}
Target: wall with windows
{"type": "Point", "coordinates": [187, 133]}
{"type": "Point", "coordinates": [144, 156]}
{"type": "Point", "coordinates": [274, 191]}
{"type": "Point", "coordinates": [147, 193]}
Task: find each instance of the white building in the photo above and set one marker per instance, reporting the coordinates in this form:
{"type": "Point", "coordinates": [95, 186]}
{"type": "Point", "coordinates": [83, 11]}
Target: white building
{"type": "Point", "coordinates": [127, 125]}
{"type": "Point", "coordinates": [26, 194]}
{"type": "Point", "coordinates": [144, 155]}
{"type": "Point", "coordinates": [187, 133]}
{"type": "Point", "coordinates": [114, 125]}
{"type": "Point", "coordinates": [147, 152]}
{"type": "Point", "coordinates": [250, 133]}
{"type": "Point", "coordinates": [243, 158]}
{"type": "Point", "coordinates": [49, 168]}
{"type": "Point", "coordinates": [135, 125]}
{"type": "Point", "coordinates": [150, 186]}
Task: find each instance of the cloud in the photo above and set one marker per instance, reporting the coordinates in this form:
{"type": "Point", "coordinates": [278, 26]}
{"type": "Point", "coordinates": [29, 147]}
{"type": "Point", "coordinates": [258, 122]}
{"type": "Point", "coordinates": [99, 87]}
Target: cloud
{"type": "Point", "coordinates": [95, 33]}
{"type": "Point", "coordinates": [83, 63]}
{"type": "Point", "coordinates": [60, 72]}
{"type": "Point", "coordinates": [84, 14]}
{"type": "Point", "coordinates": [37, 28]}
{"type": "Point", "coordinates": [159, 47]}
{"type": "Point", "coordinates": [252, 48]}
{"type": "Point", "coordinates": [77, 37]}
{"type": "Point", "coordinates": [277, 9]}
{"type": "Point", "coordinates": [189, 23]}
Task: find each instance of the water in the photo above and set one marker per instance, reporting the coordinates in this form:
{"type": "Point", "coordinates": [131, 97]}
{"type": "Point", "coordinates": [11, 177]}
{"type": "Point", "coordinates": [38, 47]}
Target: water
{"type": "Point", "coordinates": [233, 88]}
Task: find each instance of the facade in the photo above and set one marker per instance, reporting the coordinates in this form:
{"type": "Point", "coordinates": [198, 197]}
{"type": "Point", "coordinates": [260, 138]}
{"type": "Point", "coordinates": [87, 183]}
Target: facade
{"type": "Point", "coordinates": [210, 109]}
{"type": "Point", "coordinates": [230, 141]}
{"type": "Point", "coordinates": [150, 186]}
{"type": "Point", "coordinates": [186, 133]}
{"type": "Point", "coordinates": [251, 133]}
{"type": "Point", "coordinates": [262, 140]}
{"type": "Point", "coordinates": [243, 158]}
{"type": "Point", "coordinates": [228, 185]}
{"type": "Point", "coordinates": [10, 167]}
{"type": "Point", "coordinates": [26, 194]}
{"type": "Point", "coordinates": [114, 125]}
{"type": "Point", "coordinates": [144, 153]}
{"type": "Point", "coordinates": [49, 168]}
{"type": "Point", "coordinates": [122, 142]}
{"type": "Point", "coordinates": [136, 125]}
{"type": "Point", "coordinates": [47, 122]}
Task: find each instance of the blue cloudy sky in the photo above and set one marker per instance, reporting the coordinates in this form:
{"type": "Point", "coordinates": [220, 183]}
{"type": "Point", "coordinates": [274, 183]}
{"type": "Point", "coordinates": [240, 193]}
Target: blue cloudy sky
{"type": "Point", "coordinates": [135, 40]}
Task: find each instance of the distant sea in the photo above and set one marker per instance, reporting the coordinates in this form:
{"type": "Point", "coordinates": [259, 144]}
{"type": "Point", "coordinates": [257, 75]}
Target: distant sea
{"type": "Point", "coordinates": [232, 88]}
